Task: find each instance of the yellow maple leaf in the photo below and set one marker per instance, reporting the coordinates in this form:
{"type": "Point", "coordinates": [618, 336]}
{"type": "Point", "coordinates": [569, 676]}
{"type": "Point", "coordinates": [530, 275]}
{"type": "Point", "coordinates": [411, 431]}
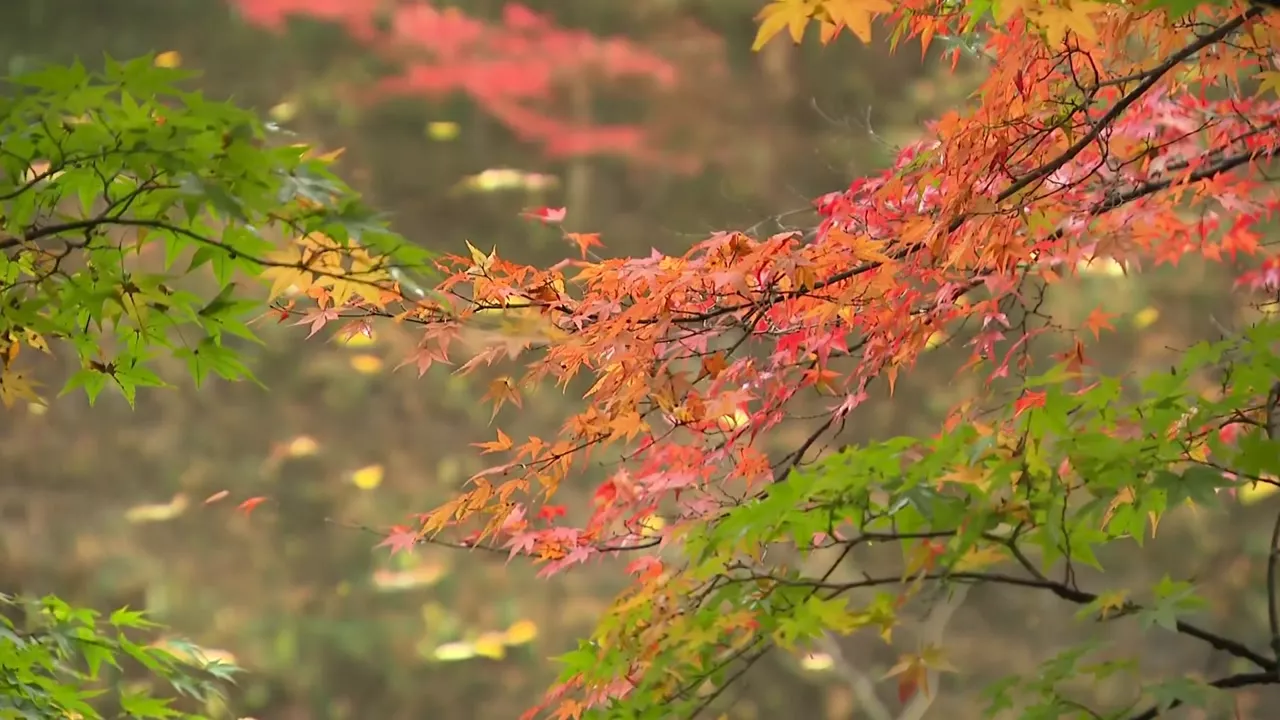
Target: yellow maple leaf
{"type": "Point", "coordinates": [168, 59]}
{"type": "Point", "coordinates": [1002, 10]}
{"type": "Point", "coordinates": [366, 364]}
{"type": "Point", "coordinates": [981, 557]}
{"type": "Point", "coordinates": [1112, 603]}
{"type": "Point", "coordinates": [1269, 80]}
{"type": "Point", "coordinates": [480, 263]}
{"type": "Point", "coordinates": [792, 15]}
{"type": "Point", "coordinates": [15, 386]}
{"type": "Point", "coordinates": [521, 632]}
{"type": "Point", "coordinates": [1070, 16]}
{"type": "Point", "coordinates": [368, 477]}
{"type": "Point", "coordinates": [1253, 492]}
{"type": "Point", "coordinates": [856, 14]}
{"type": "Point", "coordinates": [287, 272]}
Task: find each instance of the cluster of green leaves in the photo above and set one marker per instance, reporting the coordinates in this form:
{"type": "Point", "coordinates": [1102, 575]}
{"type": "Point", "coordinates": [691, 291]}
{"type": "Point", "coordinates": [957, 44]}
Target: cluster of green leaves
{"type": "Point", "coordinates": [117, 186]}
{"type": "Point", "coordinates": [1076, 465]}
{"type": "Point", "coordinates": [59, 662]}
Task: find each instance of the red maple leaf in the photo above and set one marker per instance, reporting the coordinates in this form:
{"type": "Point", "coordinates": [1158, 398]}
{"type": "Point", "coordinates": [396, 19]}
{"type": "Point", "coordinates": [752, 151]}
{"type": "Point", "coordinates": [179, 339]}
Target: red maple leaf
{"type": "Point", "coordinates": [547, 215]}
{"type": "Point", "coordinates": [401, 539]}
{"type": "Point", "coordinates": [551, 512]}
{"type": "Point", "coordinates": [645, 568]}
{"type": "Point", "coordinates": [1030, 399]}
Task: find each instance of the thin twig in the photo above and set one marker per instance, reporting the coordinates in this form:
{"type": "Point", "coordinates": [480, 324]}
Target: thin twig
{"type": "Point", "coordinates": [1273, 554]}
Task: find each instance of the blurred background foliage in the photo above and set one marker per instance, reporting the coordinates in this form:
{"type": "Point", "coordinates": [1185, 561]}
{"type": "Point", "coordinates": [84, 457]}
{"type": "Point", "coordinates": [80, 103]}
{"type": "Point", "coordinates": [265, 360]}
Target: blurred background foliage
{"type": "Point", "coordinates": [106, 506]}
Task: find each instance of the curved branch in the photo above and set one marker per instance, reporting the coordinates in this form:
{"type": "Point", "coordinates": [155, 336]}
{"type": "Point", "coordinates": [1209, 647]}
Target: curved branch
{"type": "Point", "coordinates": [1063, 591]}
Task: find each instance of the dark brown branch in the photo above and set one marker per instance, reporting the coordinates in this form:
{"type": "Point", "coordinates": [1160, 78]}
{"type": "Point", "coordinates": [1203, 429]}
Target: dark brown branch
{"type": "Point", "coordinates": [1063, 591]}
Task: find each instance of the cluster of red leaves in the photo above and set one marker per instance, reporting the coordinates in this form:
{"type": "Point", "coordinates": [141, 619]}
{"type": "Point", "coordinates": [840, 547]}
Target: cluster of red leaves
{"type": "Point", "coordinates": [1075, 152]}
{"type": "Point", "coordinates": [513, 68]}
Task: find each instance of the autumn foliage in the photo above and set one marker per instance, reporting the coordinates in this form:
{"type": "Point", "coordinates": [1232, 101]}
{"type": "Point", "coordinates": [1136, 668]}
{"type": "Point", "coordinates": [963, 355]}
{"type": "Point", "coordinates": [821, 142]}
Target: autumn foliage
{"type": "Point", "coordinates": [1139, 135]}
{"type": "Point", "coordinates": [521, 69]}
{"type": "Point", "coordinates": [1104, 132]}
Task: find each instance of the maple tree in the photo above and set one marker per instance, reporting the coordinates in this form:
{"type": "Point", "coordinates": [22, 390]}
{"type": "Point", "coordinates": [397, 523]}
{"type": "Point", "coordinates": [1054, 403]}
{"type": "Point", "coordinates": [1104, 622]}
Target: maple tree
{"type": "Point", "coordinates": [1135, 134]}
{"type": "Point", "coordinates": [59, 661]}
{"type": "Point", "coordinates": [108, 180]}
{"type": "Point", "coordinates": [520, 68]}
{"type": "Point", "coordinates": [1104, 132]}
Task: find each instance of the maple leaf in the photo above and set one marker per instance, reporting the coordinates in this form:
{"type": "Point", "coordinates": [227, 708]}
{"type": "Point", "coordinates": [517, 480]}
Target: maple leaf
{"type": "Point", "coordinates": [551, 512]}
{"type": "Point", "coordinates": [1069, 16]}
{"type": "Point", "coordinates": [424, 358]}
{"type": "Point", "coordinates": [480, 262]}
{"type": "Point", "coordinates": [584, 241]}
{"type": "Point", "coordinates": [912, 672]}
{"type": "Point", "coordinates": [1099, 321]}
{"type": "Point", "coordinates": [978, 558]}
{"type": "Point", "coordinates": [220, 495]}
{"type": "Point", "coordinates": [400, 539]}
{"type": "Point", "coordinates": [501, 391]}
{"type": "Point", "coordinates": [855, 15]}
{"type": "Point", "coordinates": [792, 15]}
{"type": "Point", "coordinates": [318, 319]}
{"type": "Point", "coordinates": [913, 678]}
{"type": "Point", "coordinates": [502, 444]}
{"type": "Point", "coordinates": [1268, 80]}
{"type": "Point", "coordinates": [1030, 399]}
{"type": "Point", "coordinates": [546, 215]}
{"type": "Point", "coordinates": [522, 542]}
{"type": "Point", "coordinates": [646, 568]}
{"type": "Point", "coordinates": [247, 506]}
{"type": "Point", "coordinates": [1111, 603]}
{"type": "Point", "coordinates": [287, 272]}
{"type": "Point", "coordinates": [15, 386]}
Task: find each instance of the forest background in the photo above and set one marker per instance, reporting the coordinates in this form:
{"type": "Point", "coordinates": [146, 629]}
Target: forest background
{"type": "Point", "coordinates": [670, 129]}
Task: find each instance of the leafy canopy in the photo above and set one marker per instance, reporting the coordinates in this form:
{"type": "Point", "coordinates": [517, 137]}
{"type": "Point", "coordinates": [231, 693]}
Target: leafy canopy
{"type": "Point", "coordinates": [117, 187]}
{"type": "Point", "coordinates": [1105, 133]}
{"type": "Point", "coordinates": [59, 661]}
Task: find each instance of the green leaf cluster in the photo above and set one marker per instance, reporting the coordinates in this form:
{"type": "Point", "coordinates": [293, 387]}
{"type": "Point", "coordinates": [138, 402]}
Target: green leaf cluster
{"type": "Point", "coordinates": [132, 212]}
{"type": "Point", "coordinates": [59, 662]}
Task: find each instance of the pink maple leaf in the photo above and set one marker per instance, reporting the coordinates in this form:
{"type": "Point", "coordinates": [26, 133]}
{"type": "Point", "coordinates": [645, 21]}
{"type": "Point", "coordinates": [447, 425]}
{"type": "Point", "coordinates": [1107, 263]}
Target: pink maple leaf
{"type": "Point", "coordinates": [547, 215]}
{"type": "Point", "coordinates": [401, 539]}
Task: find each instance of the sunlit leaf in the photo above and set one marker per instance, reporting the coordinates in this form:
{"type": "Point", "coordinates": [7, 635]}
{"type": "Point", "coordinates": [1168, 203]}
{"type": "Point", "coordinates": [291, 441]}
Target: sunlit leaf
{"type": "Point", "coordinates": [1251, 493]}
{"type": "Point", "coordinates": [424, 575]}
{"type": "Point", "coordinates": [162, 512]}
{"type": "Point", "coordinates": [302, 446]}
{"type": "Point", "coordinates": [368, 477]}
{"type": "Point", "coordinates": [168, 59]}
{"type": "Point", "coordinates": [817, 662]}
{"type": "Point", "coordinates": [491, 645]}
{"type": "Point", "coordinates": [442, 131]}
{"type": "Point", "coordinates": [521, 632]}
{"type": "Point", "coordinates": [453, 652]}
{"type": "Point", "coordinates": [1145, 318]}
{"type": "Point", "coordinates": [366, 364]}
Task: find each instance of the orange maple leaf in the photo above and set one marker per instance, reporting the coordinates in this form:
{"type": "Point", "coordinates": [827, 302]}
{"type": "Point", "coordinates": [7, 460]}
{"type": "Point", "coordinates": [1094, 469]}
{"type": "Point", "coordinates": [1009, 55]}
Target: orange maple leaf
{"type": "Point", "coordinates": [502, 444]}
{"type": "Point", "coordinates": [1098, 321]}
{"type": "Point", "coordinates": [502, 391]}
{"type": "Point", "coordinates": [1030, 399]}
{"type": "Point", "coordinates": [584, 241]}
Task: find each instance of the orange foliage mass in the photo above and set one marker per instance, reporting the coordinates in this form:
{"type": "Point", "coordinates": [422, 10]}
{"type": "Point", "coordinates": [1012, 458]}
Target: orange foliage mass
{"type": "Point", "coordinates": [1102, 132]}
